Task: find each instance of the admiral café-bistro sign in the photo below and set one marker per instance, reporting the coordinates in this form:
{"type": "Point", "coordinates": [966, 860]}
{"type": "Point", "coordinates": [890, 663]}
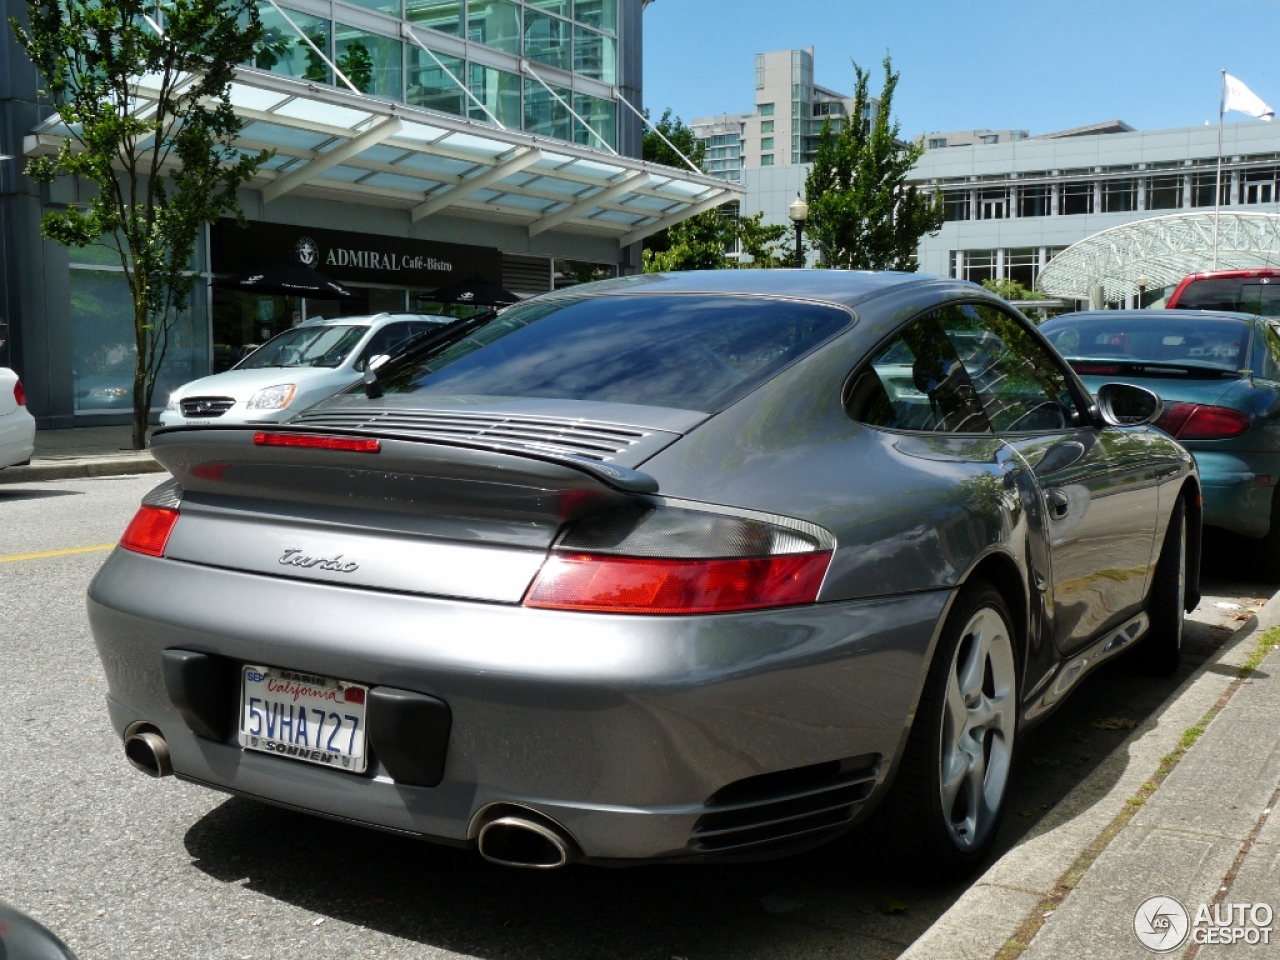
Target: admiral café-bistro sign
{"type": "Point", "coordinates": [352, 257]}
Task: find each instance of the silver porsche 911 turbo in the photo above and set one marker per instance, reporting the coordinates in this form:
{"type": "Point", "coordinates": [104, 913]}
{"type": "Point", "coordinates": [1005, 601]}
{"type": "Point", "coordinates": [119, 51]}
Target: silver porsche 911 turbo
{"type": "Point", "coordinates": [709, 565]}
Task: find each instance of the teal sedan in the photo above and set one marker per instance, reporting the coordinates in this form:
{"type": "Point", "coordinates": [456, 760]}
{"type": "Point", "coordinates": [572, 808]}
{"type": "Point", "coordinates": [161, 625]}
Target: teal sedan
{"type": "Point", "coordinates": [1219, 377]}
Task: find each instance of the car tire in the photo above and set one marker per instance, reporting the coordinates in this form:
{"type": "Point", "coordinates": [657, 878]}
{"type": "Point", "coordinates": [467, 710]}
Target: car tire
{"type": "Point", "coordinates": [1158, 652]}
{"type": "Point", "coordinates": [1266, 550]}
{"type": "Point", "coordinates": [944, 808]}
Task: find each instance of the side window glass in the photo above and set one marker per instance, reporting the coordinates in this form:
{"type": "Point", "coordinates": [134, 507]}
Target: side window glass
{"type": "Point", "coordinates": [916, 382]}
{"type": "Point", "coordinates": [1020, 386]}
{"type": "Point", "coordinates": [384, 341]}
{"type": "Point", "coordinates": [1266, 352]}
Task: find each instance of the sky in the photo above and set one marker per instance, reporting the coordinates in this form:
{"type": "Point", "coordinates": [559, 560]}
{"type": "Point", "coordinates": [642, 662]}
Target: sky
{"type": "Point", "coordinates": [999, 65]}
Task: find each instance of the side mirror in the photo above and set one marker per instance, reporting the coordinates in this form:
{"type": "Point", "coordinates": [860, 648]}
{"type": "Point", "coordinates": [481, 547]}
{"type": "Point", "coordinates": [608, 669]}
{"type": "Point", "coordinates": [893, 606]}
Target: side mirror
{"type": "Point", "coordinates": [377, 361]}
{"type": "Point", "coordinates": [1124, 405]}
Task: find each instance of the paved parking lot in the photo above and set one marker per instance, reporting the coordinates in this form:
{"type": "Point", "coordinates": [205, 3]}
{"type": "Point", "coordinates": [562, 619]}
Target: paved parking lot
{"type": "Point", "coordinates": [123, 866]}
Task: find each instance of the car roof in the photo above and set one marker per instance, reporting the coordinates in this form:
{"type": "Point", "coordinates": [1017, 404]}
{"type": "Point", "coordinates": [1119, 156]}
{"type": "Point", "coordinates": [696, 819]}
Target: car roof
{"type": "Point", "coordinates": [1151, 314]}
{"type": "Point", "coordinates": [844, 287]}
{"type": "Point", "coordinates": [1232, 274]}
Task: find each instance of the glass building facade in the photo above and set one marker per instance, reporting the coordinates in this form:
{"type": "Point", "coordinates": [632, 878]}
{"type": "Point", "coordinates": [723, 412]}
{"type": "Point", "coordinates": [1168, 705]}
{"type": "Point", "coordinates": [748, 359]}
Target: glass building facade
{"type": "Point", "coordinates": [571, 44]}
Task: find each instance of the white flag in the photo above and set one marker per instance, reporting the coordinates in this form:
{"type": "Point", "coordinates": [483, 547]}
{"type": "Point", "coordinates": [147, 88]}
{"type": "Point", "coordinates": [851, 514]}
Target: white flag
{"type": "Point", "coordinates": [1239, 97]}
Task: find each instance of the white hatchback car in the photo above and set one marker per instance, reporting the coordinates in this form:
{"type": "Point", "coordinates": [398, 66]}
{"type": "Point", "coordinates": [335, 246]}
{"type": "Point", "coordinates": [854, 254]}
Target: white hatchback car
{"type": "Point", "coordinates": [17, 426]}
{"type": "Point", "coordinates": [293, 370]}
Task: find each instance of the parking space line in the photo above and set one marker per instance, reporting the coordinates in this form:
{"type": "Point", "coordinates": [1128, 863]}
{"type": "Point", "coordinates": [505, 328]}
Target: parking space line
{"type": "Point", "coordinates": [13, 558]}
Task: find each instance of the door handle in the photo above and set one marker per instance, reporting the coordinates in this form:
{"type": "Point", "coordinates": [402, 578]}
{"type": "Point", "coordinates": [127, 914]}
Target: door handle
{"type": "Point", "coordinates": [1059, 504]}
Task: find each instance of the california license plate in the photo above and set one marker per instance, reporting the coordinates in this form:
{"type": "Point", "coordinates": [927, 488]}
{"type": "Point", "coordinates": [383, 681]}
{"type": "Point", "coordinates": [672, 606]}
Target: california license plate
{"type": "Point", "coordinates": [303, 716]}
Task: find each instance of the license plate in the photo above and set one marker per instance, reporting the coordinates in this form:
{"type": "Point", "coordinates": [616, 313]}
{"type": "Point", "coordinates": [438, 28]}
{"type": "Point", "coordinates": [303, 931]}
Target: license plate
{"type": "Point", "coordinates": [303, 716]}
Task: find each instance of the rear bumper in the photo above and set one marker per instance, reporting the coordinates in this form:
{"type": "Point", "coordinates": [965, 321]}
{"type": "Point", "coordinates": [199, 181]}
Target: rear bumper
{"type": "Point", "coordinates": [1237, 489]}
{"type": "Point", "coordinates": [619, 728]}
{"type": "Point", "coordinates": [17, 437]}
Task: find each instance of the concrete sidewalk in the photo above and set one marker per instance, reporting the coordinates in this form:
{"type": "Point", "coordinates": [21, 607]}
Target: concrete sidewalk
{"type": "Point", "coordinates": [1188, 813]}
{"type": "Point", "coordinates": [82, 452]}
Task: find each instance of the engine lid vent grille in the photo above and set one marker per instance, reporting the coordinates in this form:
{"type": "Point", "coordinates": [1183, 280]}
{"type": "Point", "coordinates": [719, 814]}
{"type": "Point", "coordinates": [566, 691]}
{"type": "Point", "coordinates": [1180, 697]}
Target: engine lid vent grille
{"type": "Point", "coordinates": [581, 438]}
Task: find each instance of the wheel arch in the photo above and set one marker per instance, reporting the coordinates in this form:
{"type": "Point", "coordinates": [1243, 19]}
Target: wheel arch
{"type": "Point", "coordinates": [1002, 572]}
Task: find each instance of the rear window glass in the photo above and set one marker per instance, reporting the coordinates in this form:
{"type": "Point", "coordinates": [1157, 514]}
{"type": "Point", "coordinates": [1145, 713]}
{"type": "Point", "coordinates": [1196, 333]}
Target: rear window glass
{"type": "Point", "coordinates": [1260, 295]}
{"type": "Point", "coordinates": [1216, 343]}
{"type": "Point", "coordinates": [692, 353]}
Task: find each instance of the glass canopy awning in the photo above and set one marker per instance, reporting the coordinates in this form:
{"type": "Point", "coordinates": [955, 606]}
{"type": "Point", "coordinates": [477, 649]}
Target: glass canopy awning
{"type": "Point", "coordinates": [346, 146]}
{"type": "Point", "coordinates": [1161, 251]}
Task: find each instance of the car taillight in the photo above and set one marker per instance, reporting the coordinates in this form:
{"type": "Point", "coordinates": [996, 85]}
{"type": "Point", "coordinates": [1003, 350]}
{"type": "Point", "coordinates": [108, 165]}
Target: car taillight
{"type": "Point", "coordinates": [1095, 369]}
{"type": "Point", "coordinates": [19, 394]}
{"type": "Point", "coordinates": [1193, 421]}
{"type": "Point", "coordinates": [149, 530]}
{"type": "Point", "coordinates": [675, 560]}
{"type": "Point", "coordinates": [350, 444]}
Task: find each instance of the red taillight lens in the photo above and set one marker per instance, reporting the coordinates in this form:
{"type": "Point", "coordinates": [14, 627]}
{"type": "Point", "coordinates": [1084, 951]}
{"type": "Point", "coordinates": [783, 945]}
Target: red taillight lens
{"type": "Point", "coordinates": [604, 584]}
{"type": "Point", "coordinates": [149, 530]}
{"type": "Point", "coordinates": [19, 394]}
{"type": "Point", "coordinates": [1095, 369]}
{"type": "Point", "coordinates": [1190, 421]}
{"type": "Point", "coordinates": [350, 444]}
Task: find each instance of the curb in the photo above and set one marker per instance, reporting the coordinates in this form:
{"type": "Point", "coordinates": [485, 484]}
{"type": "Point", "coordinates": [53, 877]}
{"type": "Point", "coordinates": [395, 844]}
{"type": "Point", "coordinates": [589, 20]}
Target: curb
{"type": "Point", "coordinates": [994, 908]}
{"type": "Point", "coordinates": [77, 469]}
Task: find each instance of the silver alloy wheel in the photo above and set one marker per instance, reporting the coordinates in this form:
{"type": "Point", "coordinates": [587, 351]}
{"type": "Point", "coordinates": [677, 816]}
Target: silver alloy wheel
{"type": "Point", "coordinates": [978, 726]}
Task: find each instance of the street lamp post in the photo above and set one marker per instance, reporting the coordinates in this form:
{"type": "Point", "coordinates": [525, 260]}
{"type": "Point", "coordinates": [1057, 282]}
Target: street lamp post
{"type": "Point", "coordinates": [1142, 288]}
{"type": "Point", "coordinates": [799, 213]}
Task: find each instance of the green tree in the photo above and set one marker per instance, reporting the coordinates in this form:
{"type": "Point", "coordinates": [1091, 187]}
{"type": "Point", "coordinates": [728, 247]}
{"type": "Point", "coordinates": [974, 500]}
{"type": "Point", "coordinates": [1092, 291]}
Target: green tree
{"type": "Point", "coordinates": [1012, 289]}
{"type": "Point", "coordinates": [159, 173]}
{"type": "Point", "coordinates": [861, 209]}
{"type": "Point", "coordinates": [768, 245]}
{"type": "Point", "coordinates": [655, 150]}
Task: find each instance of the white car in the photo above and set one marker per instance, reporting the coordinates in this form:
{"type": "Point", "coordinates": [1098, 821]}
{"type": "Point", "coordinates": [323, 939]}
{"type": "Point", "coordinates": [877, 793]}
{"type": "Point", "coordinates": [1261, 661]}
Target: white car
{"type": "Point", "coordinates": [293, 370]}
{"type": "Point", "coordinates": [17, 426]}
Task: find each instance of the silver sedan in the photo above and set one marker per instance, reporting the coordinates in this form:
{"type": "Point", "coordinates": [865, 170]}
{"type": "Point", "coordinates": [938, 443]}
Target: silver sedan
{"type": "Point", "coordinates": [711, 565]}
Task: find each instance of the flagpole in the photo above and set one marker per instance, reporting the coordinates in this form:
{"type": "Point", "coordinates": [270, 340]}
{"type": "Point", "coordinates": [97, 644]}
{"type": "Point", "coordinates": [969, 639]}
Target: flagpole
{"type": "Point", "coordinates": [1217, 187]}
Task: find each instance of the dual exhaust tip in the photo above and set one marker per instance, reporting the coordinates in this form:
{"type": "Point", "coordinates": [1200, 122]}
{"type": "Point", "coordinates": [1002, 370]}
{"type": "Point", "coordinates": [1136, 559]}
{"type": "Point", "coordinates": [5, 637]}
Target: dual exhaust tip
{"type": "Point", "coordinates": [519, 839]}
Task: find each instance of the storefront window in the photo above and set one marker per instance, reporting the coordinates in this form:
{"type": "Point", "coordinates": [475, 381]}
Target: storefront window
{"type": "Point", "coordinates": [420, 301]}
{"type": "Point", "coordinates": [600, 116]}
{"type": "Point", "coordinates": [499, 91]}
{"type": "Point", "coordinates": [595, 55]}
{"type": "Point", "coordinates": [546, 39]}
{"type": "Point", "coordinates": [431, 87]}
{"type": "Point", "coordinates": [544, 114]}
{"type": "Point", "coordinates": [495, 23]}
{"type": "Point", "coordinates": [282, 51]}
{"type": "Point", "coordinates": [371, 62]}
{"type": "Point", "coordinates": [243, 321]}
{"type": "Point", "coordinates": [442, 15]}
{"type": "Point", "coordinates": [103, 347]}
{"type": "Point", "coordinates": [597, 13]}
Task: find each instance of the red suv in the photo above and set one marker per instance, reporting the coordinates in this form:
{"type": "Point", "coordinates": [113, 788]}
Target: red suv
{"type": "Point", "coordinates": [1240, 291]}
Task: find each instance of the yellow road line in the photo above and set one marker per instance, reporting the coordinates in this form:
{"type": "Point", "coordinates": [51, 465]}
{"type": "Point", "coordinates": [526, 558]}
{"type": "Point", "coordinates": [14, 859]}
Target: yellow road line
{"type": "Point", "coordinates": [12, 558]}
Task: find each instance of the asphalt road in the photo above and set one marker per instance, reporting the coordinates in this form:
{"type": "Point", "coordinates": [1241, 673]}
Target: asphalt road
{"type": "Point", "coordinates": [122, 866]}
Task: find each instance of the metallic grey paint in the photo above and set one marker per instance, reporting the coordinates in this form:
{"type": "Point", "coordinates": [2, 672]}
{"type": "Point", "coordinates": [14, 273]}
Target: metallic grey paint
{"type": "Point", "coordinates": [622, 728]}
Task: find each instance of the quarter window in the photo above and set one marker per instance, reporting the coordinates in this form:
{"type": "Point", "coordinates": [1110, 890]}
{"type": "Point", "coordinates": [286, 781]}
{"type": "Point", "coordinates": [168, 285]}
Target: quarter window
{"type": "Point", "coordinates": [917, 382]}
{"type": "Point", "coordinates": [1020, 387]}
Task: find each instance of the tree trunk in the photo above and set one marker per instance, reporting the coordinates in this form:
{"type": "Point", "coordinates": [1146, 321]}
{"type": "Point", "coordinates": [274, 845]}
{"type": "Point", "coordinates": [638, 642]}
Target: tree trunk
{"type": "Point", "coordinates": [140, 398]}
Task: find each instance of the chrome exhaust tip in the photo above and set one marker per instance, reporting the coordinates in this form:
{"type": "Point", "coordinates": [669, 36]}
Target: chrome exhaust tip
{"type": "Point", "coordinates": [149, 752]}
{"type": "Point", "coordinates": [517, 842]}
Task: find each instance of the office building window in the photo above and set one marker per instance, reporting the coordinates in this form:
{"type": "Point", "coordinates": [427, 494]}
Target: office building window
{"type": "Point", "coordinates": [993, 204]}
{"type": "Point", "coordinates": [1260, 186]}
{"type": "Point", "coordinates": [766, 126]}
{"type": "Point", "coordinates": [759, 71]}
{"type": "Point", "coordinates": [1033, 201]}
{"type": "Point", "coordinates": [282, 51]}
{"type": "Point", "coordinates": [766, 109]}
{"type": "Point", "coordinates": [979, 265]}
{"type": "Point", "coordinates": [595, 55]}
{"type": "Point", "coordinates": [1077, 198]}
{"type": "Point", "coordinates": [937, 143]}
{"type": "Point", "coordinates": [990, 138]}
{"type": "Point", "coordinates": [1202, 189]}
{"type": "Point", "coordinates": [1119, 196]}
{"type": "Point", "coordinates": [429, 86]}
{"type": "Point", "coordinates": [371, 62]}
{"type": "Point", "coordinates": [495, 23]}
{"type": "Point", "coordinates": [1023, 265]}
{"type": "Point", "coordinates": [547, 39]}
{"type": "Point", "coordinates": [499, 91]}
{"type": "Point", "coordinates": [1164, 193]}
{"type": "Point", "coordinates": [766, 160]}
{"type": "Point", "coordinates": [601, 116]}
{"type": "Point", "coordinates": [544, 114]}
{"type": "Point", "coordinates": [442, 15]}
{"type": "Point", "coordinates": [955, 204]}
{"type": "Point", "coordinates": [382, 6]}
{"type": "Point", "coordinates": [601, 14]}
{"type": "Point", "coordinates": [766, 143]}
{"type": "Point", "coordinates": [559, 7]}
